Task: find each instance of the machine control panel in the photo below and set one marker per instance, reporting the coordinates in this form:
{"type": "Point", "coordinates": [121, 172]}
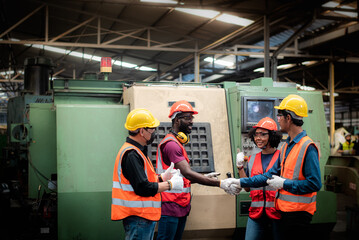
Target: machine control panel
{"type": "Point", "coordinates": [199, 149]}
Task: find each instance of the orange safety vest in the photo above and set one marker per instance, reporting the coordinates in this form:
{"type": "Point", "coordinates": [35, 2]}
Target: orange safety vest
{"type": "Point", "coordinates": [262, 197]}
{"type": "Point", "coordinates": [183, 197]}
{"type": "Point", "coordinates": [125, 202]}
{"type": "Point", "coordinates": [292, 169]}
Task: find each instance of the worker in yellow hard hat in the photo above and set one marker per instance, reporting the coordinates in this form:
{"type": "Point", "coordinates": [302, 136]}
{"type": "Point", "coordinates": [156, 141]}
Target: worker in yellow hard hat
{"type": "Point", "coordinates": [136, 189]}
{"type": "Point", "coordinates": [296, 175]}
{"type": "Point", "coordinates": [176, 205]}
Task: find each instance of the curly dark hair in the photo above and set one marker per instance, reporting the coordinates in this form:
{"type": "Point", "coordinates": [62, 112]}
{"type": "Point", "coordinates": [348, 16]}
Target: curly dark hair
{"type": "Point", "coordinates": [274, 137]}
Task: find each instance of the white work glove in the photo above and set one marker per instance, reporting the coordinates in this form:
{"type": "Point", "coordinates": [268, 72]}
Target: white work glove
{"type": "Point", "coordinates": [176, 181]}
{"type": "Point", "coordinates": [276, 183]}
{"type": "Point", "coordinates": [226, 183]}
{"type": "Point", "coordinates": [234, 189]}
{"type": "Point", "coordinates": [240, 160]}
{"type": "Point", "coordinates": [168, 174]}
{"type": "Point", "coordinates": [212, 175]}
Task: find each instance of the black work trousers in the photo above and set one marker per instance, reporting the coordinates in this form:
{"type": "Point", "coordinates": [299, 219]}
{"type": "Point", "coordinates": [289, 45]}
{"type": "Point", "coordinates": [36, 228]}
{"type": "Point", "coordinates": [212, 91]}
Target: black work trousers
{"type": "Point", "coordinates": [296, 225]}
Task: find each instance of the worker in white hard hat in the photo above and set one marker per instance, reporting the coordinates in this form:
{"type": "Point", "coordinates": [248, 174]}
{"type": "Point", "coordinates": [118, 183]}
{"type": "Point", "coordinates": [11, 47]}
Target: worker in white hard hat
{"type": "Point", "coordinates": [136, 189]}
{"type": "Point", "coordinates": [347, 148]}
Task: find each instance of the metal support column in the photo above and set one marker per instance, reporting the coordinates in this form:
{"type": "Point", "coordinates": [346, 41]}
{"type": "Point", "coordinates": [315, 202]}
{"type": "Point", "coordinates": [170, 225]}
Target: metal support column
{"type": "Point", "coordinates": [196, 67]}
{"type": "Point", "coordinates": [274, 64]}
{"type": "Point", "coordinates": [266, 47]}
{"type": "Point", "coordinates": [332, 103]}
{"type": "Point", "coordinates": [47, 23]}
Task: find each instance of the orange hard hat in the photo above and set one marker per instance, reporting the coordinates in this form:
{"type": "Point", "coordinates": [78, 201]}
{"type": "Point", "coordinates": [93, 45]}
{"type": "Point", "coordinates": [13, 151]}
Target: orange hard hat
{"type": "Point", "coordinates": [266, 123]}
{"type": "Point", "coordinates": [181, 106]}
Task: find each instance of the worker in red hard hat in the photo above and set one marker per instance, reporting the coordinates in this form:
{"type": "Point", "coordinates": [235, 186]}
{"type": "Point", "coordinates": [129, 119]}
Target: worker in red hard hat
{"type": "Point", "coordinates": [262, 212]}
{"type": "Point", "coordinates": [176, 205]}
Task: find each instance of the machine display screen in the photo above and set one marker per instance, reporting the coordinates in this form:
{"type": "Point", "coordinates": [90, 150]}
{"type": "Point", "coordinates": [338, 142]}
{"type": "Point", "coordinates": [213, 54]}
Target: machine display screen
{"type": "Point", "coordinates": [257, 110]}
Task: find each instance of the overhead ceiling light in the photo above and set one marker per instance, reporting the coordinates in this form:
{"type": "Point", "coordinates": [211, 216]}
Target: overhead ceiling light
{"type": "Point", "coordinates": [328, 94]}
{"type": "Point", "coordinates": [227, 18]}
{"type": "Point", "coordinates": [283, 66]}
{"type": "Point", "coordinates": [332, 4]}
{"type": "Point", "coordinates": [160, 1]}
{"type": "Point", "coordinates": [306, 88]}
{"type": "Point", "coordinates": [259, 69]}
{"type": "Point", "coordinates": [234, 20]}
{"type": "Point", "coordinates": [199, 12]}
{"type": "Point", "coordinates": [219, 62]}
{"type": "Point", "coordinates": [11, 72]}
{"type": "Point", "coordinates": [286, 66]}
{"type": "Point", "coordinates": [308, 63]}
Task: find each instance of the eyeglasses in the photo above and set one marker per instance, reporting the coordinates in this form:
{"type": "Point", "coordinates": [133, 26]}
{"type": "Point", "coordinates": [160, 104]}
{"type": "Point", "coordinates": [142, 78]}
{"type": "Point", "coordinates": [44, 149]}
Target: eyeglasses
{"type": "Point", "coordinates": [187, 118]}
{"type": "Point", "coordinates": [260, 134]}
{"type": "Point", "coordinates": [154, 129]}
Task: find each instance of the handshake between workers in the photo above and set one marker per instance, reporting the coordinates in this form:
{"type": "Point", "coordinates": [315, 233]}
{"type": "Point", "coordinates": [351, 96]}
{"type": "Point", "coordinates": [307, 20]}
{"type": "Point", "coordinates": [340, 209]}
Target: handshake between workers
{"type": "Point", "coordinates": [233, 186]}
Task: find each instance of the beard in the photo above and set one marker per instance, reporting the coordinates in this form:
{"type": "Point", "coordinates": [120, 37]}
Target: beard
{"type": "Point", "coordinates": [184, 128]}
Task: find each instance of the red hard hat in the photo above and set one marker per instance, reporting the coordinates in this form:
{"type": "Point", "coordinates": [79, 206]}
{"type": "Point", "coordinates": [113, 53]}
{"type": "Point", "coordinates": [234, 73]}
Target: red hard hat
{"type": "Point", "coordinates": [267, 123]}
{"type": "Point", "coordinates": [181, 106]}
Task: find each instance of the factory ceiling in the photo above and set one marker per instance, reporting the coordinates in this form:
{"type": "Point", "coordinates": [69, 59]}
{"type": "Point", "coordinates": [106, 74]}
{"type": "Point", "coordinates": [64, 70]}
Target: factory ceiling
{"type": "Point", "coordinates": [291, 41]}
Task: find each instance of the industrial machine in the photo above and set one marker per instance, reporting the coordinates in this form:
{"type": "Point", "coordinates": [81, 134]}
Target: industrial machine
{"type": "Point", "coordinates": [72, 141]}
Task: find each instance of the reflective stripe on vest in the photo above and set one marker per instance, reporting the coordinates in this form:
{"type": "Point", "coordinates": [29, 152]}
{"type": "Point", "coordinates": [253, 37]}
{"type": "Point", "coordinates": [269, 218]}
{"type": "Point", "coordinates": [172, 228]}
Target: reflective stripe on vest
{"type": "Point", "coordinates": [261, 204]}
{"type": "Point", "coordinates": [298, 198]}
{"type": "Point", "coordinates": [262, 197]}
{"type": "Point", "coordinates": [159, 165]}
{"type": "Point", "coordinates": [125, 202]}
{"type": "Point", "coordinates": [291, 168]}
{"type": "Point", "coordinates": [183, 197]}
{"type": "Point", "coordinates": [136, 204]}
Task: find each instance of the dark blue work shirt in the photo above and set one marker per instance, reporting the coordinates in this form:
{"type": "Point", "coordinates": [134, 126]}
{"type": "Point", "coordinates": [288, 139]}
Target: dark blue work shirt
{"type": "Point", "coordinates": [266, 158]}
{"type": "Point", "coordinates": [311, 171]}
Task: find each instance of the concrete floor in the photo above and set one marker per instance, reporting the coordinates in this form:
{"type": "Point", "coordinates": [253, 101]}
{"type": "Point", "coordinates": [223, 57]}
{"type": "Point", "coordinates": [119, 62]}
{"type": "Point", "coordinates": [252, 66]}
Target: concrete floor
{"type": "Point", "coordinates": [340, 229]}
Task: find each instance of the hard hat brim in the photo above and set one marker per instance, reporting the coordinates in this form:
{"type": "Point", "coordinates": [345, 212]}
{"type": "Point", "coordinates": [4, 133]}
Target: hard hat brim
{"type": "Point", "coordinates": [193, 112]}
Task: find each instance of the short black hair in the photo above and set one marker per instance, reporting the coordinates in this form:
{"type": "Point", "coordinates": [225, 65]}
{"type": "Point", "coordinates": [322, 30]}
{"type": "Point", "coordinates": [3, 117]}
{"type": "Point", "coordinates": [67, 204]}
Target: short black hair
{"type": "Point", "coordinates": [274, 137]}
{"type": "Point", "coordinates": [134, 133]}
{"type": "Point", "coordinates": [297, 122]}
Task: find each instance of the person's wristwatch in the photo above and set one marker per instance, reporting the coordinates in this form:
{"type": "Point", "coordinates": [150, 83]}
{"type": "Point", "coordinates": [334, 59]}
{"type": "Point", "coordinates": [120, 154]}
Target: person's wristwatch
{"type": "Point", "coordinates": [169, 184]}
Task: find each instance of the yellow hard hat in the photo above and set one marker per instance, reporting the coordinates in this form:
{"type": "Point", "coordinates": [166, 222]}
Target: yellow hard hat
{"type": "Point", "coordinates": [295, 104]}
{"type": "Point", "coordinates": [140, 118]}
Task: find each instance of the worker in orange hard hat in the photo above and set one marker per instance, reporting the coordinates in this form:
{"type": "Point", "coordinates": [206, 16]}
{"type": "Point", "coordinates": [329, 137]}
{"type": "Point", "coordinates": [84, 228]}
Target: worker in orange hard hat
{"type": "Point", "coordinates": [262, 213]}
{"type": "Point", "coordinates": [136, 189]}
{"type": "Point", "coordinates": [176, 205]}
{"type": "Point", "coordinates": [296, 175]}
